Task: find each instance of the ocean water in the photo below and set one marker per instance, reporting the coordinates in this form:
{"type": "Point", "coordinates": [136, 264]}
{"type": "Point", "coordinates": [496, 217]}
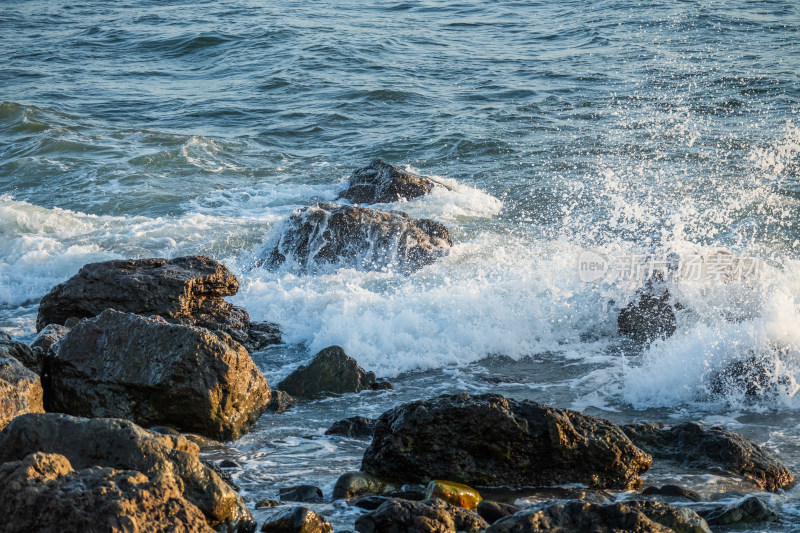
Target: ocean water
{"type": "Point", "coordinates": [620, 128]}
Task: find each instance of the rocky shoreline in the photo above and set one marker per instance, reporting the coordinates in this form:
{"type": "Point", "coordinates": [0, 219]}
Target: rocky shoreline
{"type": "Point", "coordinates": [124, 346]}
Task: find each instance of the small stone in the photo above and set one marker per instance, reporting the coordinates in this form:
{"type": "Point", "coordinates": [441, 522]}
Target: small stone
{"type": "Point", "coordinates": [331, 372]}
{"type": "Point", "coordinates": [281, 402]}
{"type": "Point", "coordinates": [672, 491]}
{"type": "Point", "coordinates": [357, 483]}
{"type": "Point", "coordinates": [494, 511]}
{"type": "Point", "coordinates": [302, 493]}
{"type": "Point", "coordinates": [356, 426]}
{"type": "Point", "coordinates": [266, 504]}
{"type": "Point", "coordinates": [454, 493]}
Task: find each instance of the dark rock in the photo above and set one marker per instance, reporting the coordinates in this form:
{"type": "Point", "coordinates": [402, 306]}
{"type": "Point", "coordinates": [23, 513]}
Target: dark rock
{"type": "Point", "coordinates": [381, 385]}
{"type": "Point", "coordinates": [409, 491]}
{"type": "Point", "coordinates": [165, 430]}
{"type": "Point", "coordinates": [371, 502]}
{"type": "Point", "coordinates": [383, 183]}
{"type": "Point", "coordinates": [42, 492]}
{"type": "Point", "coordinates": [368, 239]}
{"type": "Point", "coordinates": [752, 378]}
{"type": "Point", "coordinates": [672, 491]}
{"type": "Point", "coordinates": [749, 510]}
{"type": "Point", "coordinates": [494, 511]}
{"type": "Point", "coordinates": [355, 426]}
{"type": "Point", "coordinates": [20, 388]}
{"type": "Point", "coordinates": [678, 519]}
{"type": "Point", "coordinates": [121, 444]}
{"type": "Point", "coordinates": [357, 483]}
{"type": "Point", "coordinates": [297, 520]}
{"type": "Point", "coordinates": [47, 337]}
{"type": "Point", "coordinates": [188, 290]}
{"type": "Point", "coordinates": [428, 516]}
{"type": "Point", "coordinates": [511, 495]}
{"type": "Point", "coordinates": [229, 463]}
{"type": "Point", "coordinates": [30, 358]}
{"type": "Point", "coordinates": [152, 372]}
{"type": "Point", "coordinates": [266, 504]}
{"type": "Point", "coordinates": [281, 402]}
{"type": "Point", "coordinates": [302, 493]}
{"type": "Point", "coordinates": [331, 371]}
{"type": "Point", "coordinates": [690, 445]}
{"type": "Point", "coordinates": [224, 475]}
{"type": "Point", "coordinates": [649, 316]}
{"type": "Point", "coordinates": [263, 334]}
{"type": "Point", "coordinates": [490, 440]}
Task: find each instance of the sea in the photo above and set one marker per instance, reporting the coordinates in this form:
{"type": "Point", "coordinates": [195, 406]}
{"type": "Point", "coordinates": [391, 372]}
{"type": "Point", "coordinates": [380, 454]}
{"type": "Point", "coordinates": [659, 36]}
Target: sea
{"type": "Point", "coordinates": [580, 140]}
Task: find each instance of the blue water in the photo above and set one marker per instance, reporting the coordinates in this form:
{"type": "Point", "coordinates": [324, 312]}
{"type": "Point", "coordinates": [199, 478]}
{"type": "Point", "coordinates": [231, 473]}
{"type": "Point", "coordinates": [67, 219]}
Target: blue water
{"type": "Point", "coordinates": [135, 129]}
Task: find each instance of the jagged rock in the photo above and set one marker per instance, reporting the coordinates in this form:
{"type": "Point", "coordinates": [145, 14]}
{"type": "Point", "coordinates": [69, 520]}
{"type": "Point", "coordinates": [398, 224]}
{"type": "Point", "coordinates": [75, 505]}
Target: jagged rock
{"type": "Point", "coordinates": [152, 372]}
{"type": "Point", "coordinates": [580, 517]}
{"type": "Point", "coordinates": [48, 336]}
{"type": "Point", "coordinates": [428, 516]}
{"type": "Point", "coordinates": [371, 502]}
{"type": "Point", "coordinates": [490, 440]}
{"type": "Point", "coordinates": [301, 493]}
{"type": "Point", "coordinates": [754, 377]}
{"type": "Point", "coordinates": [690, 445]}
{"type": "Point", "coordinates": [30, 358]}
{"type": "Point", "coordinates": [20, 388]}
{"type": "Point", "coordinates": [263, 334]}
{"type": "Point", "coordinates": [494, 511]}
{"type": "Point", "coordinates": [749, 510]}
{"type": "Point", "coordinates": [368, 239]}
{"type": "Point", "coordinates": [223, 474]}
{"type": "Point", "coordinates": [42, 492]}
{"type": "Point", "coordinates": [648, 317]}
{"type": "Point", "coordinates": [186, 289]}
{"type": "Point", "coordinates": [357, 483]}
{"type": "Point", "coordinates": [121, 444]}
{"type": "Point", "coordinates": [678, 519]}
{"type": "Point", "coordinates": [382, 183]}
{"type": "Point", "coordinates": [296, 520]}
{"type": "Point", "coordinates": [355, 426]}
{"type": "Point", "coordinates": [280, 402]}
{"type": "Point", "coordinates": [673, 492]}
{"type": "Point", "coordinates": [453, 493]}
{"type": "Point", "coordinates": [331, 371]}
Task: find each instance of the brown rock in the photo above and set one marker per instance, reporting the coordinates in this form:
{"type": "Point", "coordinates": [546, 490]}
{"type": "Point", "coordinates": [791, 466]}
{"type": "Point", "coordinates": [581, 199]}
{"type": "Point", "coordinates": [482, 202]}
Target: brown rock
{"type": "Point", "coordinates": [296, 520]}
{"type": "Point", "coordinates": [381, 182]}
{"type": "Point", "coordinates": [20, 389]}
{"type": "Point", "coordinates": [427, 516]}
{"type": "Point", "coordinates": [331, 371]}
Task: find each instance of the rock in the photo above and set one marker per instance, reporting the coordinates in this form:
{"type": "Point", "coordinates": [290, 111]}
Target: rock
{"type": "Point", "coordinates": [20, 388]}
{"type": "Point", "coordinates": [152, 372]}
{"type": "Point", "coordinates": [188, 290]}
{"type": "Point", "coordinates": [371, 502]}
{"type": "Point", "coordinates": [428, 516]}
{"type": "Point", "coordinates": [357, 483]}
{"type": "Point", "coordinates": [678, 519]}
{"type": "Point", "coordinates": [355, 426]}
{"type": "Point", "coordinates": [749, 510]}
{"type": "Point", "coordinates": [511, 495]}
{"type": "Point", "coordinates": [454, 494]}
{"type": "Point", "coordinates": [672, 491]}
{"type": "Point", "coordinates": [490, 440]}
{"type": "Point", "coordinates": [229, 463]}
{"type": "Point", "coordinates": [381, 183]}
{"type": "Point", "coordinates": [302, 493]}
{"type": "Point", "coordinates": [266, 504]}
{"type": "Point", "coordinates": [280, 402]}
{"type": "Point", "coordinates": [579, 517]}
{"type": "Point", "coordinates": [121, 444]}
{"type": "Point", "coordinates": [331, 371]}
{"type": "Point", "coordinates": [297, 520]}
{"type": "Point", "coordinates": [42, 492]}
{"type": "Point", "coordinates": [30, 358]}
{"type": "Point", "coordinates": [323, 235]}
{"type": "Point", "coordinates": [691, 445]}
{"type": "Point", "coordinates": [263, 334]}
{"type": "Point", "coordinates": [223, 474]}
{"type": "Point", "coordinates": [755, 377]}
{"type": "Point", "coordinates": [648, 317]}
{"type": "Point", "coordinates": [494, 511]}
{"type": "Point", "coordinates": [47, 337]}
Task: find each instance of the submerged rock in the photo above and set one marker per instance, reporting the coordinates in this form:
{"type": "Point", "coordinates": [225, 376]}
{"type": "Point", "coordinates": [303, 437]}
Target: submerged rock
{"type": "Point", "coordinates": [454, 493]}
{"type": "Point", "coordinates": [381, 182]}
{"type": "Point", "coordinates": [331, 371]}
{"type": "Point", "coordinates": [42, 492]}
{"type": "Point", "coordinates": [20, 388]}
{"type": "Point", "coordinates": [121, 444]}
{"type": "Point", "coordinates": [186, 289]}
{"type": "Point", "coordinates": [750, 510]}
{"type": "Point", "coordinates": [280, 402]}
{"type": "Point", "coordinates": [352, 484]}
{"type": "Point", "coordinates": [755, 377]}
{"type": "Point", "coordinates": [356, 426]}
{"type": "Point", "coordinates": [494, 511]}
{"type": "Point", "coordinates": [302, 493]}
{"type": "Point", "coordinates": [675, 492]}
{"type": "Point", "coordinates": [152, 372]}
{"type": "Point", "coordinates": [428, 516]}
{"type": "Point", "coordinates": [358, 237]}
{"type": "Point", "coordinates": [678, 519]}
{"type": "Point", "coordinates": [490, 440]}
{"type": "Point", "coordinates": [690, 445]}
{"type": "Point", "coordinates": [296, 520]}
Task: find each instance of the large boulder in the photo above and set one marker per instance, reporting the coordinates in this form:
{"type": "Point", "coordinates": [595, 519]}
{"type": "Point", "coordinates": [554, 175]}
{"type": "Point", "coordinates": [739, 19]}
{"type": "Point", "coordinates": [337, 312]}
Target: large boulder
{"type": "Point", "coordinates": [368, 239]}
{"type": "Point", "coordinates": [428, 516]}
{"type": "Point", "coordinates": [491, 440]}
{"type": "Point", "coordinates": [42, 492]}
{"type": "Point", "coordinates": [186, 289]}
{"type": "Point", "coordinates": [121, 444]}
{"type": "Point", "coordinates": [156, 373]}
{"type": "Point", "coordinates": [381, 182]}
{"type": "Point", "coordinates": [20, 388]}
{"type": "Point", "coordinates": [331, 371]}
{"type": "Point", "coordinates": [691, 445]}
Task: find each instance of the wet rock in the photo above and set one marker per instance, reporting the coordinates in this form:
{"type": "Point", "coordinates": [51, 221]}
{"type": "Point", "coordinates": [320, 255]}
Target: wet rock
{"type": "Point", "coordinates": [263, 334]}
{"type": "Point", "coordinates": [47, 337]}
{"type": "Point", "coordinates": [750, 510]}
{"type": "Point", "coordinates": [229, 463]}
{"type": "Point", "coordinates": [297, 520]}
{"type": "Point", "coordinates": [152, 372]}
{"type": "Point", "coordinates": [266, 504]}
{"type": "Point", "coordinates": [490, 440]}
{"type": "Point", "coordinates": [673, 492]}
{"type": "Point", "coordinates": [356, 426]}
{"type": "Point", "coordinates": [331, 371]}
{"type": "Point", "coordinates": [121, 444]}
{"type": "Point", "coordinates": [188, 290]}
{"type": "Point", "coordinates": [494, 511]}
{"type": "Point", "coordinates": [651, 315]}
{"type": "Point", "coordinates": [223, 474]}
{"type": "Point", "coordinates": [409, 491]}
{"type": "Point", "coordinates": [511, 495]}
{"type": "Point", "coordinates": [690, 445]}
{"type": "Point", "coordinates": [368, 239]}
{"type": "Point", "coordinates": [20, 388]}
{"type": "Point", "coordinates": [678, 519]}
{"type": "Point", "coordinates": [42, 492]}
{"type": "Point", "coordinates": [357, 483]}
{"type": "Point", "coordinates": [30, 358]}
{"type": "Point", "coordinates": [454, 493]}
{"type": "Point", "coordinates": [381, 182]}
{"type": "Point", "coordinates": [428, 516]}
{"type": "Point", "coordinates": [755, 377]}
{"type": "Point", "coordinates": [281, 402]}
{"type": "Point", "coordinates": [302, 493]}
{"type": "Point", "coordinates": [371, 502]}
